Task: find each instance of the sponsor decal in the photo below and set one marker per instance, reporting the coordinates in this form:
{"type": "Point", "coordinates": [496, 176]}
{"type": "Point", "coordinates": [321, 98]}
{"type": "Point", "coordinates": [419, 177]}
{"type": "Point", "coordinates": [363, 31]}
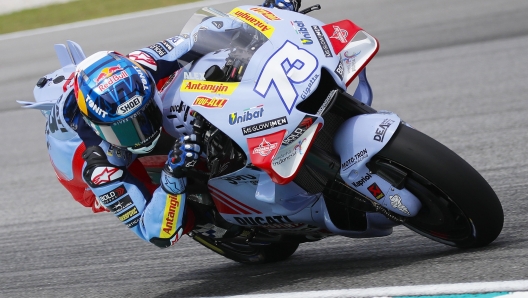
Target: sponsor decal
{"type": "Point", "coordinates": [198, 76]}
{"type": "Point", "coordinates": [264, 125]}
{"type": "Point", "coordinates": [289, 66]}
{"type": "Point", "coordinates": [235, 180]}
{"type": "Point", "coordinates": [396, 202]}
{"type": "Point", "coordinates": [208, 87]}
{"type": "Point", "coordinates": [112, 195]}
{"type": "Point", "coordinates": [143, 59]}
{"type": "Point", "coordinates": [299, 146]}
{"type": "Point", "coordinates": [218, 24]}
{"type": "Point", "coordinates": [176, 40]}
{"type": "Point", "coordinates": [170, 215]}
{"type": "Point", "coordinates": [208, 102]}
{"type": "Point", "coordinates": [253, 21]}
{"type": "Point", "coordinates": [266, 13]}
{"type": "Point", "coordinates": [111, 80]}
{"type": "Point", "coordinates": [133, 223]}
{"type": "Point", "coordinates": [178, 108]}
{"type": "Point", "coordinates": [262, 221]}
{"type": "Point", "coordinates": [322, 41]}
{"type": "Point", "coordinates": [246, 115]}
{"type": "Point", "coordinates": [363, 180]}
{"type": "Point", "coordinates": [376, 191]}
{"type": "Point", "coordinates": [265, 148]}
{"type": "Point", "coordinates": [361, 155]}
{"type": "Point", "coordinates": [300, 130]}
{"type": "Point", "coordinates": [191, 163]}
{"type": "Point", "coordinates": [382, 129]}
{"type": "Point", "coordinates": [277, 161]}
{"type": "Point", "coordinates": [303, 31]}
{"type": "Point", "coordinates": [340, 34]}
{"type": "Point", "coordinates": [142, 77]}
{"type": "Point", "coordinates": [340, 70]}
{"type": "Point", "coordinates": [350, 60]}
{"type": "Point", "coordinates": [327, 101]}
{"type": "Point", "coordinates": [121, 204]}
{"type": "Point", "coordinates": [130, 105]}
{"type": "Point", "coordinates": [308, 89]}
{"type": "Point", "coordinates": [166, 45]}
{"type": "Point", "coordinates": [158, 49]}
{"type": "Point", "coordinates": [102, 175]}
{"type": "Point", "coordinates": [128, 214]}
{"type": "Point", "coordinates": [95, 108]}
{"type": "Point", "coordinates": [108, 72]}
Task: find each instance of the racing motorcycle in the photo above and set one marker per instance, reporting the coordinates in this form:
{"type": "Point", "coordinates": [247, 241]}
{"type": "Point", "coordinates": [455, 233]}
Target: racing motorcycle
{"type": "Point", "coordinates": [290, 157]}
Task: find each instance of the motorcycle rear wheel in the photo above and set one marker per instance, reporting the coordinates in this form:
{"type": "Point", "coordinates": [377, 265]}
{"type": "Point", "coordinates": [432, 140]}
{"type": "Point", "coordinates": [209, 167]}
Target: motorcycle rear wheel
{"type": "Point", "coordinates": [459, 207]}
{"type": "Point", "coordinates": [247, 253]}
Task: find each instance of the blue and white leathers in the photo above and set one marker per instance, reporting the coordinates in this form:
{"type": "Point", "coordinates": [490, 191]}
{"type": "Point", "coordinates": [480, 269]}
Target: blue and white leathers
{"type": "Point", "coordinates": [160, 217]}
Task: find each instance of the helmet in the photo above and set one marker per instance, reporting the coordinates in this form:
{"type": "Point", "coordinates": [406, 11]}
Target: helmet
{"type": "Point", "coordinates": [118, 100]}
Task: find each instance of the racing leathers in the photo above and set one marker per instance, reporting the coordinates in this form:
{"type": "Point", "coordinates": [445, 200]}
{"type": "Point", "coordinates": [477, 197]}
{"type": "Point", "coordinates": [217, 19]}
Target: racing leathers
{"type": "Point", "coordinates": [163, 216]}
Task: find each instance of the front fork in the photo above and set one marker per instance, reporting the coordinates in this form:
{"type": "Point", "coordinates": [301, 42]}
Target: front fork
{"type": "Point", "coordinates": [357, 141]}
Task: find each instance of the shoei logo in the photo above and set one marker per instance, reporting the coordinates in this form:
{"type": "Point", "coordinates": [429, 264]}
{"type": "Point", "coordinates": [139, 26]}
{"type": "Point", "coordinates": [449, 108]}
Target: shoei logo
{"type": "Point", "coordinates": [266, 13]}
{"type": "Point", "coordinates": [130, 105]}
{"type": "Point", "coordinates": [208, 87]}
{"type": "Point", "coordinates": [253, 21]}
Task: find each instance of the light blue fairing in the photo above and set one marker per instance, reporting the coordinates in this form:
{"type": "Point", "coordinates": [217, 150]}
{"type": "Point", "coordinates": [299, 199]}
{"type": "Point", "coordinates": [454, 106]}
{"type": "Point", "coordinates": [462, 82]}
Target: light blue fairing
{"type": "Point", "coordinates": [249, 197]}
{"type": "Point", "coordinates": [363, 91]}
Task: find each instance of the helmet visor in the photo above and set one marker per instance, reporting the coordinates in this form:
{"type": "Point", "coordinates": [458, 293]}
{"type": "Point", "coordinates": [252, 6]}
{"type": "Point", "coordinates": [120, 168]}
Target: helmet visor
{"type": "Point", "coordinates": [136, 131]}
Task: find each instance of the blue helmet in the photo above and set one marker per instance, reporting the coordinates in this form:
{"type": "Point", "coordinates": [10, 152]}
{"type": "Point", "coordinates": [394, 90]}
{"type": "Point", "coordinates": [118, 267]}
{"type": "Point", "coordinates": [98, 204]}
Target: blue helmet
{"type": "Point", "coordinates": [117, 99]}
{"type": "Point", "coordinates": [292, 5]}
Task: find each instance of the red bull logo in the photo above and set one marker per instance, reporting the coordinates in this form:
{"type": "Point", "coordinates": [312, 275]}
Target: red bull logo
{"type": "Point", "coordinates": [107, 72]}
{"type": "Point", "coordinates": [110, 76]}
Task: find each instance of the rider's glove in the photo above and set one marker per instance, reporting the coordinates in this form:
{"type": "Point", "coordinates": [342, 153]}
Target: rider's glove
{"type": "Point", "coordinates": [292, 5]}
{"type": "Point", "coordinates": [184, 155]}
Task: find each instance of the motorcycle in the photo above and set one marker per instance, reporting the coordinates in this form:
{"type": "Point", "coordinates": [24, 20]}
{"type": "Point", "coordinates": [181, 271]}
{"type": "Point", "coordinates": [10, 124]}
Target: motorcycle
{"type": "Point", "coordinates": [290, 157]}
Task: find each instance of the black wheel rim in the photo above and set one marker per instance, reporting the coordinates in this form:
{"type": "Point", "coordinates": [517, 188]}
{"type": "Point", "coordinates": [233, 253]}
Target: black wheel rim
{"type": "Point", "coordinates": [440, 218]}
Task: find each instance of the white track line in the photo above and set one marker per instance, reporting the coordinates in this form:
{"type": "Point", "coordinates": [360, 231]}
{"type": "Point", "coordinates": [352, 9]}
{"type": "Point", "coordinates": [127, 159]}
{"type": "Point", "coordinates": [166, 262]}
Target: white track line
{"type": "Point", "coordinates": [124, 17]}
{"type": "Point", "coordinates": [441, 289]}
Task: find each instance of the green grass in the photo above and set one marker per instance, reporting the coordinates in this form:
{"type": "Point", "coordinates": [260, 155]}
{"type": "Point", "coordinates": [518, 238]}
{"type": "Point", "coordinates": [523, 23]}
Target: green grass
{"type": "Point", "coordinates": [79, 10]}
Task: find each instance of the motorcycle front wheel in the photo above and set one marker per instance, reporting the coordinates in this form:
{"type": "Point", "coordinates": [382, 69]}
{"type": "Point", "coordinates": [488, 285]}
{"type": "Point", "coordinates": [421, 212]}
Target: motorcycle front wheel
{"type": "Point", "coordinates": [459, 207]}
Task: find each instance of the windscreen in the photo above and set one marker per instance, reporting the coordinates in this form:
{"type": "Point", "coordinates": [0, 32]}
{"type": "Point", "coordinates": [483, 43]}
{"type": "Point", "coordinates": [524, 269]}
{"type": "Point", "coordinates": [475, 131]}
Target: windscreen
{"type": "Point", "coordinates": [224, 38]}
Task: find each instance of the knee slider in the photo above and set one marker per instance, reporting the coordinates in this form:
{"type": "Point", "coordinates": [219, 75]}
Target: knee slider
{"type": "Point", "coordinates": [99, 171]}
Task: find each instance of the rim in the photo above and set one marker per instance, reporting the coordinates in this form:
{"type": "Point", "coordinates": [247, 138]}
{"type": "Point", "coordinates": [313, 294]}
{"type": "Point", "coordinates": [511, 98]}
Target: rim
{"type": "Point", "coordinates": [440, 218]}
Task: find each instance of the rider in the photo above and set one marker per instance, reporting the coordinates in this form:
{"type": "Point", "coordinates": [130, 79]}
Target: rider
{"type": "Point", "coordinates": [120, 117]}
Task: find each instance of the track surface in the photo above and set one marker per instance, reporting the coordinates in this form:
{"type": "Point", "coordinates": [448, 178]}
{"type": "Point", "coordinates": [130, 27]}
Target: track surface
{"type": "Point", "coordinates": [456, 70]}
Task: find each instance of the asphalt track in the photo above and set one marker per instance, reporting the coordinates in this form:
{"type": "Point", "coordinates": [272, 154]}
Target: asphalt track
{"type": "Point", "coordinates": [456, 70]}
